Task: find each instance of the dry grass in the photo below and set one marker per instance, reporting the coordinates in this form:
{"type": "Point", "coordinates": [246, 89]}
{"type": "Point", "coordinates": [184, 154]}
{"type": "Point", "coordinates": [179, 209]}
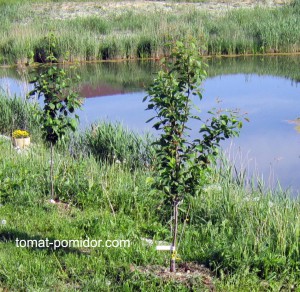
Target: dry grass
{"type": "Point", "coordinates": [70, 10]}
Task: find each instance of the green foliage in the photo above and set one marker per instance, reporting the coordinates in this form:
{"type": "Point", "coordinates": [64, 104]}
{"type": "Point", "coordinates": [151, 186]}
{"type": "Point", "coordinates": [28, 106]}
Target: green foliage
{"type": "Point", "coordinates": [145, 48]}
{"type": "Point", "coordinates": [248, 237]}
{"type": "Point", "coordinates": [296, 5]}
{"type": "Point", "coordinates": [60, 101]}
{"type": "Point", "coordinates": [46, 50]}
{"type": "Point", "coordinates": [113, 143]}
{"type": "Point", "coordinates": [17, 113]}
{"type": "Point", "coordinates": [181, 161]}
{"type": "Point", "coordinates": [108, 50]}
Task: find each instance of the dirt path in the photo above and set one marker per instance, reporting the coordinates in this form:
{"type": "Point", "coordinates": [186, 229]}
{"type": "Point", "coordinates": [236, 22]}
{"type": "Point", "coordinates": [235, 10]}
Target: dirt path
{"type": "Point", "coordinates": [69, 10]}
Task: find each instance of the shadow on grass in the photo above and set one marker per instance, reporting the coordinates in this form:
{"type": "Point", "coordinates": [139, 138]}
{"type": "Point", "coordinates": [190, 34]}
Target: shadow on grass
{"type": "Point", "coordinates": [37, 243]}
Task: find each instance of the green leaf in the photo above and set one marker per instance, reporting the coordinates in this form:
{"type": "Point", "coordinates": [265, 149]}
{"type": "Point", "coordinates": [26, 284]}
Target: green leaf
{"type": "Point", "coordinates": [150, 120]}
{"type": "Point", "coordinates": [181, 162]}
{"type": "Point", "coordinates": [73, 124]}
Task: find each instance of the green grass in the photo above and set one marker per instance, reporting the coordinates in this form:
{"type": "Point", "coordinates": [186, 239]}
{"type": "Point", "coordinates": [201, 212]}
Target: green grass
{"type": "Point", "coordinates": [248, 237]}
{"type": "Point", "coordinates": [127, 34]}
{"type": "Point", "coordinates": [17, 113]}
{"type": "Point", "coordinates": [114, 143]}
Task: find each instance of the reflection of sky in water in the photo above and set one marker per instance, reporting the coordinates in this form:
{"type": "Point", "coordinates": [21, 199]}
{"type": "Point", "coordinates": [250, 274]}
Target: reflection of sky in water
{"type": "Point", "coordinates": [268, 144]}
{"type": "Point", "coordinates": [127, 108]}
{"type": "Point", "coordinates": [14, 87]}
{"type": "Point", "coordinates": [269, 141]}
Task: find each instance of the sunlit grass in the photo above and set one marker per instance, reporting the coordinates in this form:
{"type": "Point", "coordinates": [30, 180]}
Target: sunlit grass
{"type": "Point", "coordinates": [248, 236]}
{"type": "Point", "coordinates": [136, 34]}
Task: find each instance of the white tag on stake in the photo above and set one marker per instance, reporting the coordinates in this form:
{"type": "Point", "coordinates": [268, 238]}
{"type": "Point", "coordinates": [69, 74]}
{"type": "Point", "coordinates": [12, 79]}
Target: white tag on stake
{"type": "Point", "coordinates": [165, 247]}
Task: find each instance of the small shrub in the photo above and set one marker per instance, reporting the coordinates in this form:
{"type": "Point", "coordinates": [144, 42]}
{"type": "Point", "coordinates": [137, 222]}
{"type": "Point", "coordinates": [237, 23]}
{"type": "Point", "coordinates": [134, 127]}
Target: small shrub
{"type": "Point", "coordinates": [60, 102]}
{"type": "Point", "coordinates": [115, 144]}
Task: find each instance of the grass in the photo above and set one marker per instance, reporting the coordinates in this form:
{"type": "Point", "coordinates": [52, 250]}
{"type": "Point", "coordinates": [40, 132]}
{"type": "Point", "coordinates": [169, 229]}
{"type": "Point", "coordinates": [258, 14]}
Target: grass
{"type": "Point", "coordinates": [125, 33]}
{"type": "Point", "coordinates": [17, 113]}
{"type": "Point", "coordinates": [249, 238]}
{"type": "Point", "coordinates": [115, 144]}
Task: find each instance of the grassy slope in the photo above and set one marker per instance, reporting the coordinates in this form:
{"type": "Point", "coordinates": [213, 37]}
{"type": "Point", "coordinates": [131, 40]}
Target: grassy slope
{"type": "Point", "coordinates": [132, 33]}
{"type": "Point", "coordinates": [249, 238]}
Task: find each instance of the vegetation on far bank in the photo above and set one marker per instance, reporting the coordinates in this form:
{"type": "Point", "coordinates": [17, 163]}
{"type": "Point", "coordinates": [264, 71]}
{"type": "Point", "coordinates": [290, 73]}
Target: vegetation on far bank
{"type": "Point", "coordinates": [247, 237]}
{"type": "Point", "coordinates": [126, 33]}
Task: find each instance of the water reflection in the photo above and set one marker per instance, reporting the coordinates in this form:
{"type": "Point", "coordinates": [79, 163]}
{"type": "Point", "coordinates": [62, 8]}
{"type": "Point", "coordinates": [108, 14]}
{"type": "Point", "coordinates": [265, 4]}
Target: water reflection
{"type": "Point", "coordinates": [295, 122]}
{"type": "Point", "coordinates": [101, 79]}
{"type": "Point", "coordinates": [268, 140]}
{"type": "Point", "coordinates": [265, 88]}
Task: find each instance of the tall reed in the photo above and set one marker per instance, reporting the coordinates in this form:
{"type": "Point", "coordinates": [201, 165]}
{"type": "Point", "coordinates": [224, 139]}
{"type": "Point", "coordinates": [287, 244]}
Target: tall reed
{"type": "Point", "coordinates": [113, 143]}
{"type": "Point", "coordinates": [126, 34]}
{"type": "Point", "coordinates": [17, 113]}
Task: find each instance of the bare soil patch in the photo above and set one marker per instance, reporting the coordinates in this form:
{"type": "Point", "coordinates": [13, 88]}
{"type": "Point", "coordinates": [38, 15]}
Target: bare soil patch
{"type": "Point", "coordinates": [187, 274]}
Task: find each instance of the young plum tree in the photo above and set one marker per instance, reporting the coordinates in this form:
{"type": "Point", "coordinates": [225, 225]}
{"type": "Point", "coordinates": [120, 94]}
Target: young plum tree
{"type": "Point", "coordinates": [60, 102]}
{"type": "Point", "coordinates": [181, 160]}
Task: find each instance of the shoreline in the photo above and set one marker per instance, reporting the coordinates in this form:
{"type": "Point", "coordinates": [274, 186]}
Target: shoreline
{"type": "Point", "coordinates": [100, 31]}
{"type": "Point", "coordinates": [156, 59]}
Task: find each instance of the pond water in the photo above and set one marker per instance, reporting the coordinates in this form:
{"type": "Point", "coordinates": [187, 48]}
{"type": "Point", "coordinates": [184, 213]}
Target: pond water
{"type": "Point", "coordinates": [266, 88]}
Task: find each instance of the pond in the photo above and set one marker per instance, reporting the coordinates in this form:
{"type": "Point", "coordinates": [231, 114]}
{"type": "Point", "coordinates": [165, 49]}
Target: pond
{"type": "Point", "coordinates": [266, 88]}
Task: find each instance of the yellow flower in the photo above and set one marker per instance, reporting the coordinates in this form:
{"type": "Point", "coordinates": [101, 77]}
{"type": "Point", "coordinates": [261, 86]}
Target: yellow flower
{"type": "Point", "coordinates": [20, 134]}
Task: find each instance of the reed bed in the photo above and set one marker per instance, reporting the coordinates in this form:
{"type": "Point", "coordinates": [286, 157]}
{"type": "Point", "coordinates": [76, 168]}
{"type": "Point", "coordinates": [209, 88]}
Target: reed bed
{"type": "Point", "coordinates": [107, 142]}
{"type": "Point", "coordinates": [142, 34]}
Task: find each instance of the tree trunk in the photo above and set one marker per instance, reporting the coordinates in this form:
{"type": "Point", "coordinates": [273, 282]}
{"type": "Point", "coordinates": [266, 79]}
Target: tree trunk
{"type": "Point", "coordinates": [174, 242]}
{"type": "Point", "coordinates": [51, 171]}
